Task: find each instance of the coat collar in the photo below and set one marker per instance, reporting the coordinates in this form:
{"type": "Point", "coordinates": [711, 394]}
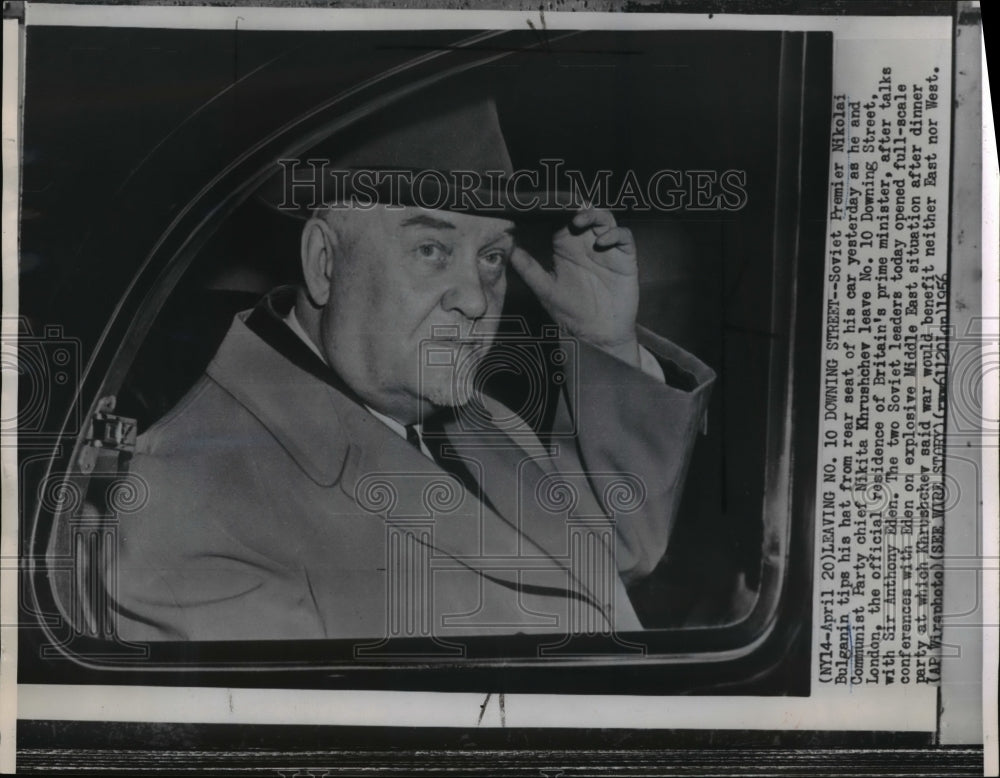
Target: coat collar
{"type": "Point", "coordinates": [274, 384]}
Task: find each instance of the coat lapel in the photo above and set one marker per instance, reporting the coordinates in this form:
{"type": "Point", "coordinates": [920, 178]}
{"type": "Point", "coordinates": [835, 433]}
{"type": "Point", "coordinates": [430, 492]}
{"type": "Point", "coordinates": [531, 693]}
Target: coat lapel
{"type": "Point", "coordinates": [276, 391]}
{"type": "Point", "coordinates": [547, 511]}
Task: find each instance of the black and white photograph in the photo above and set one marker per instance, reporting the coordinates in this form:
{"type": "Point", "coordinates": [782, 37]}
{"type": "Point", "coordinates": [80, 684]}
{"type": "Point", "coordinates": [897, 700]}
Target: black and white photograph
{"type": "Point", "coordinates": [475, 370]}
{"type": "Point", "coordinates": [461, 372]}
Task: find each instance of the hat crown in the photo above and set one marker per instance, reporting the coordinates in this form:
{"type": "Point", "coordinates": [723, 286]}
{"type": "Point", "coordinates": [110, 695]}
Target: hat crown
{"type": "Point", "coordinates": [463, 136]}
{"type": "Point", "coordinates": [448, 146]}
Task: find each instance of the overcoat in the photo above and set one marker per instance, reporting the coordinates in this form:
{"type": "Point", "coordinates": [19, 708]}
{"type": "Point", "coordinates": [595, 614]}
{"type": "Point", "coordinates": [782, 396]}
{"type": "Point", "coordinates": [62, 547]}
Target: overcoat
{"type": "Point", "coordinates": [280, 508]}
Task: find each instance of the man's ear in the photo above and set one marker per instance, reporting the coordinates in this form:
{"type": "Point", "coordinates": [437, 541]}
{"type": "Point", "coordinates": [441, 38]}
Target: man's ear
{"type": "Point", "coordinates": [319, 243]}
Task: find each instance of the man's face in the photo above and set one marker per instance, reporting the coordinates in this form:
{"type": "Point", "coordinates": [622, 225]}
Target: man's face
{"type": "Point", "coordinates": [413, 303]}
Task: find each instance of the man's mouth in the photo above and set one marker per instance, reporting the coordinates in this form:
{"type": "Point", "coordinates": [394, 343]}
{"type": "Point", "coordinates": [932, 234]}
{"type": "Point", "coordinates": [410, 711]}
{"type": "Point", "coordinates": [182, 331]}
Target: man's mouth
{"type": "Point", "coordinates": [452, 333]}
{"type": "Point", "coordinates": [461, 341]}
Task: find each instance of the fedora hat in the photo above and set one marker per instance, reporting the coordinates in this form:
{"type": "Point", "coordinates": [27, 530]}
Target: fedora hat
{"type": "Point", "coordinates": [442, 152]}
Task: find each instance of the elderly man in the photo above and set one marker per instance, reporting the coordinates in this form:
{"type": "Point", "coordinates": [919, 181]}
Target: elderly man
{"type": "Point", "coordinates": [338, 471]}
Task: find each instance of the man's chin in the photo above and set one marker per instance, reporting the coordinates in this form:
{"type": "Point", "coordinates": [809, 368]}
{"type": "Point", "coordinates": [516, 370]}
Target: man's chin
{"type": "Point", "coordinates": [453, 385]}
{"type": "Point", "coordinates": [450, 396]}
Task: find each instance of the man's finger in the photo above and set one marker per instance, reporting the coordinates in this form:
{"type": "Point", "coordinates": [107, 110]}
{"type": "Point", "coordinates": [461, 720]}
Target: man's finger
{"type": "Point", "coordinates": [596, 219]}
{"type": "Point", "coordinates": [620, 237]}
{"type": "Point", "coordinates": [538, 279]}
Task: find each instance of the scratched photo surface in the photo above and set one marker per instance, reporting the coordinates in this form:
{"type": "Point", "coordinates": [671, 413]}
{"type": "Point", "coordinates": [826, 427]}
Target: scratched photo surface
{"type": "Point", "coordinates": [442, 353]}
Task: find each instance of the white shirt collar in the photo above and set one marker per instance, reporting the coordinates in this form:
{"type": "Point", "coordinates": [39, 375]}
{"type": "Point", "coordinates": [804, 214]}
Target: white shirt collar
{"type": "Point", "coordinates": [293, 324]}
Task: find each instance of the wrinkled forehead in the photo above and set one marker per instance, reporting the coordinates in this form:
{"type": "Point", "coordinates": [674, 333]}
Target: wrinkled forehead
{"type": "Point", "coordinates": [380, 219]}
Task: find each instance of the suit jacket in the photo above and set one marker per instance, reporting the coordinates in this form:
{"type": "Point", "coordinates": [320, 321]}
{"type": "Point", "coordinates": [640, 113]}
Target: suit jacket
{"type": "Point", "coordinates": [280, 508]}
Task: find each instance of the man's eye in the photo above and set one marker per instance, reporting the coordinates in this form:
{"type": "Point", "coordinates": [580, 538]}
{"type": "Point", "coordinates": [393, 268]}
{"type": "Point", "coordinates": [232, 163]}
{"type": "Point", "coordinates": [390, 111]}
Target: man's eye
{"type": "Point", "coordinates": [495, 258]}
{"type": "Point", "coordinates": [433, 252]}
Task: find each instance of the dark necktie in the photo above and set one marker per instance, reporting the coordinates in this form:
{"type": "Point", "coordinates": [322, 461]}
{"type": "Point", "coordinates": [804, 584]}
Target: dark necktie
{"type": "Point", "coordinates": [413, 437]}
{"type": "Point", "coordinates": [436, 441]}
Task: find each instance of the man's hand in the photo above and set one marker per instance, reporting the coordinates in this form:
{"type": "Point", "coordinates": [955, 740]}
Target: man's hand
{"type": "Point", "coordinates": [593, 289]}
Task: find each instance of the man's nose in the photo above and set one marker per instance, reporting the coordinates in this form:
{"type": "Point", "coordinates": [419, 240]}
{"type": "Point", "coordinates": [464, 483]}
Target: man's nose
{"type": "Point", "coordinates": [467, 292]}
